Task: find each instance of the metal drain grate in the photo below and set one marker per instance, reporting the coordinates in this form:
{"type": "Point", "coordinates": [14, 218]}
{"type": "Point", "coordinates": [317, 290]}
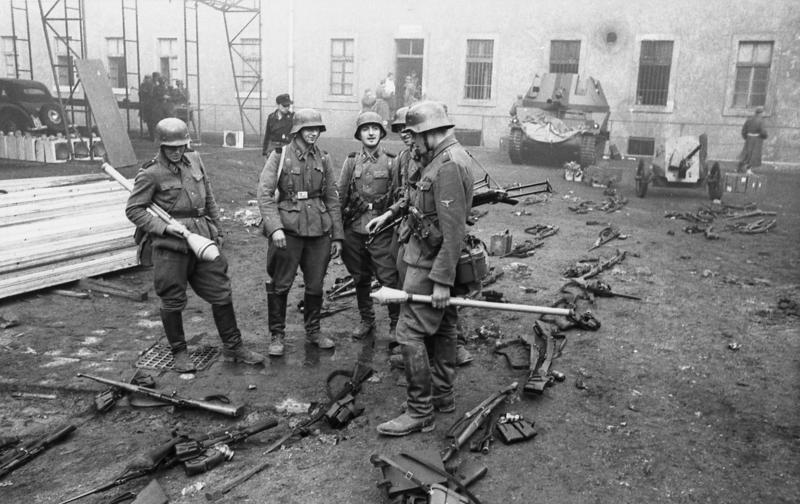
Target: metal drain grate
{"type": "Point", "coordinates": [160, 357]}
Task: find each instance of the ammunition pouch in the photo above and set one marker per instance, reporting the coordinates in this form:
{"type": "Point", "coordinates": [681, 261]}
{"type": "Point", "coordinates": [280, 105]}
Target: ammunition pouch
{"type": "Point", "coordinates": [423, 228]}
{"type": "Point", "coordinates": [342, 412]}
{"type": "Point", "coordinates": [516, 431]}
{"type": "Point", "coordinates": [471, 267]}
{"type": "Point", "coordinates": [210, 459]}
{"type": "Point", "coordinates": [188, 450]}
{"type": "Point", "coordinates": [145, 244]}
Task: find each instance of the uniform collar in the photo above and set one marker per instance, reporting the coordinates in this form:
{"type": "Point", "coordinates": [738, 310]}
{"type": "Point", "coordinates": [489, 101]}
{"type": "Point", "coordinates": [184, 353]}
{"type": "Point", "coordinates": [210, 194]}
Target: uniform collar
{"type": "Point", "coordinates": [367, 156]}
{"type": "Point", "coordinates": [444, 145]}
{"type": "Point", "coordinates": [173, 167]}
{"type": "Point", "coordinates": [301, 153]}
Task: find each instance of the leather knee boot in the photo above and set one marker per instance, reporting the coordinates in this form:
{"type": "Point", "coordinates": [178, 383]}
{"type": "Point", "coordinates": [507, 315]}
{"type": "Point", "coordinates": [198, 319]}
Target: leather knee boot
{"type": "Point", "coordinates": [232, 347]}
{"type": "Point", "coordinates": [364, 302]}
{"type": "Point", "coordinates": [173, 328]}
{"type": "Point", "coordinates": [312, 310]}
{"type": "Point", "coordinates": [276, 308]}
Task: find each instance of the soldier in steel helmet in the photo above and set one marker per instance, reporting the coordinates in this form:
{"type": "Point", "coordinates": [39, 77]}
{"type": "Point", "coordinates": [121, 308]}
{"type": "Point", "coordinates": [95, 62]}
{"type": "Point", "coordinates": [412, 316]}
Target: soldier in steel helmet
{"type": "Point", "coordinates": [433, 231]}
{"type": "Point", "coordinates": [176, 180]}
{"type": "Point", "coordinates": [365, 191]}
{"type": "Point", "coordinates": [299, 206]}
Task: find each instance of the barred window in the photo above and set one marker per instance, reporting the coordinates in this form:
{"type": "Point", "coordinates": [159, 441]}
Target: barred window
{"type": "Point", "coordinates": [655, 63]}
{"type": "Point", "coordinates": [641, 146]}
{"type": "Point", "coordinates": [478, 83]}
{"type": "Point", "coordinates": [752, 74]}
{"type": "Point", "coordinates": [117, 73]}
{"type": "Point", "coordinates": [342, 67]}
{"type": "Point", "coordinates": [565, 56]}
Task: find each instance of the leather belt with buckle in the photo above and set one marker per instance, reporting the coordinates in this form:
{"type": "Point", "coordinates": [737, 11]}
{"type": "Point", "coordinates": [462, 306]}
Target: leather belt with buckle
{"type": "Point", "coordinates": [302, 195]}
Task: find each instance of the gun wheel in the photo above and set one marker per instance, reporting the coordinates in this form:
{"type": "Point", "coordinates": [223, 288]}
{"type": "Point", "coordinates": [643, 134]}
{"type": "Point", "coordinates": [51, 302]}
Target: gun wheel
{"type": "Point", "coordinates": [641, 179]}
{"type": "Point", "coordinates": [515, 146]}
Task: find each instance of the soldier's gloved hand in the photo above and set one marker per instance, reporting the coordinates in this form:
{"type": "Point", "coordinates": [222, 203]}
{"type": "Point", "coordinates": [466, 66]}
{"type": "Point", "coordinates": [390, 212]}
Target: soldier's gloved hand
{"type": "Point", "coordinates": [378, 221]}
{"type": "Point", "coordinates": [441, 296]}
{"type": "Point", "coordinates": [220, 241]}
{"type": "Point", "coordinates": [336, 248]}
{"type": "Point", "coordinates": [278, 239]}
{"type": "Point", "coordinates": [175, 229]}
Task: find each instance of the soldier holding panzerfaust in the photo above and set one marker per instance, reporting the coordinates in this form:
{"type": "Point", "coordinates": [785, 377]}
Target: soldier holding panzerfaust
{"type": "Point", "coordinates": [299, 206]}
{"type": "Point", "coordinates": [176, 181]}
{"type": "Point", "coordinates": [365, 191]}
{"type": "Point", "coordinates": [434, 230]}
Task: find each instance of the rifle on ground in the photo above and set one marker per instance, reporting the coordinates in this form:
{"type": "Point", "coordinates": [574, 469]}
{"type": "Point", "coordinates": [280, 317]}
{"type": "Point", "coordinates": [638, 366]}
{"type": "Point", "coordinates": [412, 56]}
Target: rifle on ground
{"type": "Point", "coordinates": [21, 455]}
{"type": "Point", "coordinates": [334, 412]}
{"type": "Point", "coordinates": [202, 247]}
{"type": "Point", "coordinates": [172, 398]}
{"type": "Point", "coordinates": [601, 289]}
{"type": "Point", "coordinates": [472, 420]}
{"type": "Point", "coordinates": [197, 453]}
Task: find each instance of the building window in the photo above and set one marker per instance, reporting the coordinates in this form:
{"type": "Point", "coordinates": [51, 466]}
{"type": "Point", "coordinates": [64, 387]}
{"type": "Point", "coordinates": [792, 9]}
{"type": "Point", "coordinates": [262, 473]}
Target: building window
{"type": "Point", "coordinates": [478, 83]}
{"type": "Point", "coordinates": [9, 63]}
{"type": "Point", "coordinates": [641, 146]}
{"type": "Point", "coordinates": [565, 56]}
{"type": "Point", "coordinates": [251, 63]}
{"type": "Point", "coordinates": [168, 59]}
{"type": "Point", "coordinates": [655, 62]}
{"type": "Point", "coordinates": [752, 74]}
{"type": "Point", "coordinates": [65, 71]}
{"type": "Point", "coordinates": [117, 71]}
{"type": "Point", "coordinates": [342, 62]}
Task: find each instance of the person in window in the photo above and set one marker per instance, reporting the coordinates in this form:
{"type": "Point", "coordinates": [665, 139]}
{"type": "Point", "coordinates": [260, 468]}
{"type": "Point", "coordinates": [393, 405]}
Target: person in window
{"type": "Point", "coordinates": [279, 124]}
{"type": "Point", "coordinates": [753, 133]}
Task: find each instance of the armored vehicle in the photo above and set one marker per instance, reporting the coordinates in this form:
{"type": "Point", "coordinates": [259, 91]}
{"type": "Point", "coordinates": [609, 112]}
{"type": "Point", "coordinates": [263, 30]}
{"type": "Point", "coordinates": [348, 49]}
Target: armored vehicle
{"type": "Point", "coordinates": [561, 118]}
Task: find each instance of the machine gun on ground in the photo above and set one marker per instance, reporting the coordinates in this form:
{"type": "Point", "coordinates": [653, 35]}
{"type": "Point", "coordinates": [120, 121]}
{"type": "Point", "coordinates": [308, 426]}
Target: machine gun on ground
{"type": "Point", "coordinates": [198, 454]}
{"type": "Point", "coordinates": [21, 455]}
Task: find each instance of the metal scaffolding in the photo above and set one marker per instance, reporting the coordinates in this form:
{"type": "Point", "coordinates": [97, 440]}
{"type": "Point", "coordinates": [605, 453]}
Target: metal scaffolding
{"type": "Point", "coordinates": [68, 29]}
{"type": "Point", "coordinates": [130, 47]}
{"type": "Point", "coordinates": [23, 59]}
{"type": "Point", "coordinates": [243, 31]}
{"type": "Point", "coordinates": [191, 53]}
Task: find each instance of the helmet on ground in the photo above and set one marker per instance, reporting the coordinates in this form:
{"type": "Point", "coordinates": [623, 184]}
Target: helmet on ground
{"type": "Point", "coordinates": [172, 131]}
{"type": "Point", "coordinates": [399, 119]}
{"type": "Point", "coordinates": [306, 118]}
{"type": "Point", "coordinates": [425, 116]}
{"type": "Point", "coordinates": [369, 117]}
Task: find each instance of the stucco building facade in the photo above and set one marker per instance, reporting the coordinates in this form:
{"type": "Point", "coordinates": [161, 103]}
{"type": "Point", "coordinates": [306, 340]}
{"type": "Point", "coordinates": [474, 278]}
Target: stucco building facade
{"type": "Point", "coordinates": [667, 68]}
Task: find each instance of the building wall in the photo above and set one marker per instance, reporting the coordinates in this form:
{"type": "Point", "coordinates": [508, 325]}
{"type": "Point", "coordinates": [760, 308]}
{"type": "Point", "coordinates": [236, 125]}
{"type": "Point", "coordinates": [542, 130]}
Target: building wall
{"type": "Point", "coordinates": [296, 41]}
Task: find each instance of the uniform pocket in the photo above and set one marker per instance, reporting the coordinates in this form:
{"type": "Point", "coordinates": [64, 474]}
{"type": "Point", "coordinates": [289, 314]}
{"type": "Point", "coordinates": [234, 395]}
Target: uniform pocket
{"type": "Point", "coordinates": [289, 212]}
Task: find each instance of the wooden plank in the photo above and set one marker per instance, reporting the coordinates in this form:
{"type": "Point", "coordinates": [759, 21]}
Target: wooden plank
{"type": "Point", "coordinates": [63, 227]}
{"type": "Point", "coordinates": [70, 293]}
{"type": "Point", "coordinates": [51, 193]}
{"type": "Point", "coordinates": [43, 255]}
{"type": "Point", "coordinates": [54, 239]}
{"type": "Point", "coordinates": [48, 276]}
{"type": "Point", "coordinates": [104, 287]}
{"type": "Point", "coordinates": [82, 206]}
{"type": "Point", "coordinates": [23, 184]}
{"type": "Point", "coordinates": [106, 113]}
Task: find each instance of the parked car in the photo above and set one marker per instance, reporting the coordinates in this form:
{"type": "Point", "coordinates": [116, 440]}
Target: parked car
{"type": "Point", "coordinates": [28, 106]}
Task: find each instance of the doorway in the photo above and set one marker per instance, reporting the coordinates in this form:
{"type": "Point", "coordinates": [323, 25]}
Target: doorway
{"type": "Point", "coordinates": [408, 69]}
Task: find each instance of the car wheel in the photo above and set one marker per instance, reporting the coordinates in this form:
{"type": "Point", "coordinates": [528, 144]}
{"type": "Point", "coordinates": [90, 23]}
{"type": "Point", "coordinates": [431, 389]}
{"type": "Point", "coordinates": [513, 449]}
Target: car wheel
{"type": "Point", "coordinates": [641, 179]}
{"type": "Point", "coordinates": [515, 146]}
{"type": "Point", "coordinates": [51, 116]}
{"type": "Point", "coordinates": [10, 121]}
{"type": "Point", "coordinates": [714, 182]}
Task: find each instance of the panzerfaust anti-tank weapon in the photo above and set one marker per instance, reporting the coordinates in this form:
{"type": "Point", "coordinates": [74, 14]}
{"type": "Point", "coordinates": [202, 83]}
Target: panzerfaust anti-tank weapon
{"type": "Point", "coordinates": [202, 247]}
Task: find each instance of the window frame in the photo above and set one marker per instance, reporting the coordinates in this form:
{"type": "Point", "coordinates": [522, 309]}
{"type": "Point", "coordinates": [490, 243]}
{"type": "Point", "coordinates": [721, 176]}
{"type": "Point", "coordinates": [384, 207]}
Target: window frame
{"type": "Point", "coordinates": [118, 54]}
{"type": "Point", "coordinates": [174, 59]}
{"type": "Point", "coordinates": [669, 107]}
{"type": "Point", "coordinates": [354, 97]}
{"type": "Point", "coordinates": [729, 109]}
{"type": "Point", "coordinates": [492, 101]}
{"type": "Point", "coordinates": [568, 40]}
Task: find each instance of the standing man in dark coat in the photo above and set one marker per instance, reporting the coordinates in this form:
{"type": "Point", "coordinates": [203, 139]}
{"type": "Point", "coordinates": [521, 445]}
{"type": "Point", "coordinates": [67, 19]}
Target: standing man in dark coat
{"type": "Point", "coordinates": [299, 207]}
{"type": "Point", "coordinates": [176, 181]}
{"type": "Point", "coordinates": [434, 231]}
{"type": "Point", "coordinates": [279, 124]}
{"type": "Point", "coordinates": [146, 104]}
{"type": "Point", "coordinates": [753, 133]}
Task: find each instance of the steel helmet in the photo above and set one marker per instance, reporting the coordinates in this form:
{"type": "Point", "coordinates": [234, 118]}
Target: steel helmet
{"type": "Point", "coordinates": [399, 119]}
{"type": "Point", "coordinates": [306, 118]}
{"type": "Point", "coordinates": [425, 116]}
{"type": "Point", "coordinates": [369, 117]}
{"type": "Point", "coordinates": [172, 131]}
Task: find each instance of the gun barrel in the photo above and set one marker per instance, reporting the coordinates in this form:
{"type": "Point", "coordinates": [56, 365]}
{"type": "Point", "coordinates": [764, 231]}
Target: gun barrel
{"type": "Point", "coordinates": [223, 409]}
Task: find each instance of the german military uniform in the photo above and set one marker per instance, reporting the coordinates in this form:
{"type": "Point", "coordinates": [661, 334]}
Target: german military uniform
{"type": "Point", "coordinates": [306, 208]}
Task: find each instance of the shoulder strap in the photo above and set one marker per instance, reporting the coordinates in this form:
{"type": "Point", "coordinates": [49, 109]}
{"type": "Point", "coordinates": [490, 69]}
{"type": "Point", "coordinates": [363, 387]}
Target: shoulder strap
{"type": "Point", "coordinates": [280, 170]}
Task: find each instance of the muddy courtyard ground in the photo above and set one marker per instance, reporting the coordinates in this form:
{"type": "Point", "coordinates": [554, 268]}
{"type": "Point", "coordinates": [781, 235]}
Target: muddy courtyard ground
{"type": "Point", "coordinates": [690, 395]}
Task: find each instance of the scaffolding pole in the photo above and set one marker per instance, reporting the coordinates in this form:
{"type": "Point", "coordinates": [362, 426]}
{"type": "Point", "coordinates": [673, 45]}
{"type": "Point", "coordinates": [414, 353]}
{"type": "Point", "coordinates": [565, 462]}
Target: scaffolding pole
{"type": "Point", "coordinates": [20, 22]}
{"type": "Point", "coordinates": [191, 52]}
{"type": "Point", "coordinates": [130, 47]}
{"type": "Point", "coordinates": [70, 31]}
{"type": "Point", "coordinates": [243, 32]}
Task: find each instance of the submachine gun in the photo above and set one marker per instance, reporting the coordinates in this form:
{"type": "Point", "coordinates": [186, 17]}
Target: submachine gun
{"type": "Point", "coordinates": [483, 194]}
{"type": "Point", "coordinates": [21, 455]}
